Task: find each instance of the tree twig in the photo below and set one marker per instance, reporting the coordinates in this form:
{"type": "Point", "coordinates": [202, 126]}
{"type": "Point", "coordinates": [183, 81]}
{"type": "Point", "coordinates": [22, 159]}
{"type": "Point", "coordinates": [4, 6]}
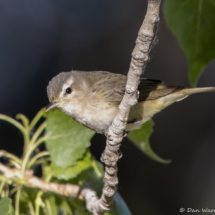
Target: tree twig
{"type": "Point", "coordinates": [69, 190]}
{"type": "Point", "coordinates": [115, 133]}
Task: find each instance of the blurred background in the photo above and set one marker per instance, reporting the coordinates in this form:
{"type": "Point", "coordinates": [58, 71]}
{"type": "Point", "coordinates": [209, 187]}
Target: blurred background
{"type": "Point", "coordinates": [40, 38]}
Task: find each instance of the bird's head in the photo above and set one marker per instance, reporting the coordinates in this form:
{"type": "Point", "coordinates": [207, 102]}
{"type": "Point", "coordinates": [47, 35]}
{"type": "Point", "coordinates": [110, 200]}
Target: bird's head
{"type": "Point", "coordinates": [65, 91]}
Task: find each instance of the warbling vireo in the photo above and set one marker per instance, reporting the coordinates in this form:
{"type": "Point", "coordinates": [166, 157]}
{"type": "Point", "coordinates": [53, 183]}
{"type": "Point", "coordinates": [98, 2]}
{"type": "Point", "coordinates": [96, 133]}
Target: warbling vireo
{"type": "Point", "coordinates": [92, 98]}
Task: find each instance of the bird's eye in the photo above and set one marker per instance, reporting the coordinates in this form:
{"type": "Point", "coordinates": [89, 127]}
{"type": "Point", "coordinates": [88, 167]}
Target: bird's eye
{"type": "Point", "coordinates": [68, 90]}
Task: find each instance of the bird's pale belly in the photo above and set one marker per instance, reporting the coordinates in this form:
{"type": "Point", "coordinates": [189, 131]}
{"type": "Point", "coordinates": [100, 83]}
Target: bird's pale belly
{"type": "Point", "coordinates": [97, 120]}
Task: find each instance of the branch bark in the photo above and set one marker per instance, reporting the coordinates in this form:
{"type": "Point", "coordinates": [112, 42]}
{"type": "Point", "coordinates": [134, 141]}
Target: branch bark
{"type": "Point", "coordinates": [115, 133]}
{"type": "Point", "coordinates": [69, 190]}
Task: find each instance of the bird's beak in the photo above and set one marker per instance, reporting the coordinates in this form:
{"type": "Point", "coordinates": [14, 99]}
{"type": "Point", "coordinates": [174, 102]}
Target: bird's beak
{"type": "Point", "coordinates": [51, 106]}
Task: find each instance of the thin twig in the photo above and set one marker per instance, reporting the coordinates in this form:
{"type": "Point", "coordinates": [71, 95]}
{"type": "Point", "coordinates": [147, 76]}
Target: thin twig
{"type": "Point", "coordinates": [36, 157]}
{"type": "Point", "coordinates": [68, 190]}
{"type": "Point", "coordinates": [29, 180]}
{"type": "Point", "coordinates": [115, 133]}
{"type": "Point", "coordinates": [15, 176]}
{"type": "Point", "coordinates": [38, 132]}
{"type": "Point", "coordinates": [18, 193]}
{"type": "Point", "coordinates": [14, 122]}
{"type": "Point", "coordinates": [36, 118]}
{"type": "Point", "coordinates": [32, 147]}
{"type": "Point", "coordinates": [4, 153]}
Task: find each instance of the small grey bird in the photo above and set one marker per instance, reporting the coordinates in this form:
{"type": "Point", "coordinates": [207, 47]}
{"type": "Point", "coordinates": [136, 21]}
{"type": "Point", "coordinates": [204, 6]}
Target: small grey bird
{"type": "Point", "coordinates": [92, 98]}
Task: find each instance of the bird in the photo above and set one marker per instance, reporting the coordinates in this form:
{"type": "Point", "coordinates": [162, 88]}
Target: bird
{"type": "Point", "coordinates": [92, 98]}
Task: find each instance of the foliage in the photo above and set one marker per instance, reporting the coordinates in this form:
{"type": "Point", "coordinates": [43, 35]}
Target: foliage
{"type": "Point", "coordinates": [193, 23]}
{"type": "Point", "coordinates": [5, 206]}
{"type": "Point", "coordinates": [64, 138]}
{"type": "Point", "coordinates": [141, 139]}
{"type": "Point", "coordinates": [62, 129]}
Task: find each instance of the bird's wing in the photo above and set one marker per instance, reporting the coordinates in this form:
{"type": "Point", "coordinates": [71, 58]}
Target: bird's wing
{"type": "Point", "coordinates": [109, 87]}
{"type": "Point", "coordinates": [153, 89]}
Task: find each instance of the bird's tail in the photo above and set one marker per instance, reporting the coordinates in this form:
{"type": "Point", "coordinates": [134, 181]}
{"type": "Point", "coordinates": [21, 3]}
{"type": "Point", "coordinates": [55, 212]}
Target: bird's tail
{"type": "Point", "coordinates": [154, 105]}
{"type": "Point", "coordinates": [189, 91]}
{"type": "Point", "coordinates": [181, 94]}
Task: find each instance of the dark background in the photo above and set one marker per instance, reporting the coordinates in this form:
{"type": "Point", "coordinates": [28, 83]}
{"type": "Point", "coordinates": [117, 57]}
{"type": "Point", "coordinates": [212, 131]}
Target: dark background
{"type": "Point", "coordinates": [39, 39]}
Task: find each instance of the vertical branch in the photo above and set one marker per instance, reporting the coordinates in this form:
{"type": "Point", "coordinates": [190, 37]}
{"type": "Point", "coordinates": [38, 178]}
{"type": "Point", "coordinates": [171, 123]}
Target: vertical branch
{"type": "Point", "coordinates": [115, 133]}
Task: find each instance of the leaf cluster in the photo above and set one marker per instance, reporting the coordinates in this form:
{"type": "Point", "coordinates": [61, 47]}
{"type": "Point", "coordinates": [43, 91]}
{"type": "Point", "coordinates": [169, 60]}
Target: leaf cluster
{"type": "Point", "coordinates": [68, 160]}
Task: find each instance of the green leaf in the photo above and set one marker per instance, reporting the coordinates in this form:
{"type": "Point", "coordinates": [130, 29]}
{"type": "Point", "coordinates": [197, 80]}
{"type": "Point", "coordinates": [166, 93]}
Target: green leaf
{"type": "Point", "coordinates": [98, 168]}
{"type": "Point", "coordinates": [65, 208]}
{"type": "Point", "coordinates": [67, 139]}
{"type": "Point", "coordinates": [12, 212]}
{"type": "Point", "coordinates": [52, 204]}
{"type": "Point", "coordinates": [193, 23]}
{"type": "Point", "coordinates": [5, 205]}
{"type": "Point", "coordinates": [27, 197]}
{"type": "Point", "coordinates": [92, 176]}
{"type": "Point", "coordinates": [77, 207]}
{"type": "Point", "coordinates": [141, 139]}
{"type": "Point", "coordinates": [72, 171]}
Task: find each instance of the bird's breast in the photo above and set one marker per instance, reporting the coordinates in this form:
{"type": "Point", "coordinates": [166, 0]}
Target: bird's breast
{"type": "Point", "coordinates": [97, 119]}
{"type": "Point", "coordinates": [93, 117]}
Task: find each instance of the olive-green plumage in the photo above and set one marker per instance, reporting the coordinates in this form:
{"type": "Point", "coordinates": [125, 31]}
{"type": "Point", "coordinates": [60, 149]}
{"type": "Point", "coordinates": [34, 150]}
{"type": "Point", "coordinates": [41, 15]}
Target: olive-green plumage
{"type": "Point", "coordinates": [92, 98]}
